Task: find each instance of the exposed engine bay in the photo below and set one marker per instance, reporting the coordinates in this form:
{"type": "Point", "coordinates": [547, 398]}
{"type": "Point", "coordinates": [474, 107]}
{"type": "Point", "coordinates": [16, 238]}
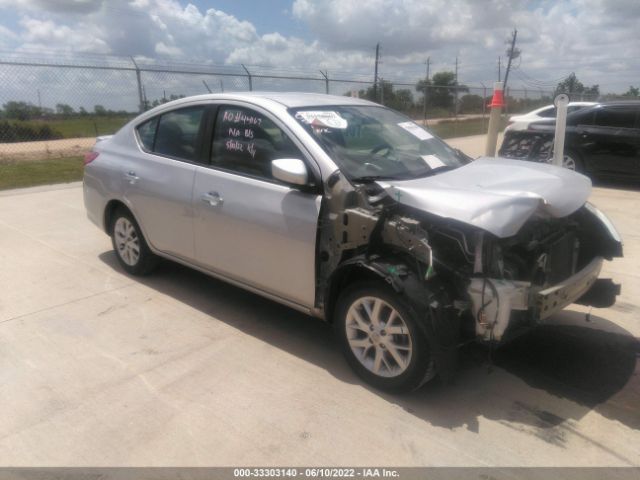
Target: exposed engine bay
{"type": "Point", "coordinates": [478, 284]}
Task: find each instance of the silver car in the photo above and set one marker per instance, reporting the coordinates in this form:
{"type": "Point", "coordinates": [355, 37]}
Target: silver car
{"type": "Point", "coordinates": [353, 213]}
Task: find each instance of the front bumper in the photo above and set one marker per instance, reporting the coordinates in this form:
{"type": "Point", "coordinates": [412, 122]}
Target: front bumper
{"type": "Point", "coordinates": [555, 298]}
{"type": "Point", "coordinates": [495, 300]}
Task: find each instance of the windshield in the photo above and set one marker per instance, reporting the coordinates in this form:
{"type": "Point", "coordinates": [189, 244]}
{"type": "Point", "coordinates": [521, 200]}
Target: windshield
{"type": "Point", "coordinates": [375, 143]}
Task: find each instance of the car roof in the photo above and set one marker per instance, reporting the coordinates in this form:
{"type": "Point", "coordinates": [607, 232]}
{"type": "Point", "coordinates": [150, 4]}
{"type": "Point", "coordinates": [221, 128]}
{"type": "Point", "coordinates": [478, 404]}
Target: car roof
{"type": "Point", "coordinates": [621, 103]}
{"type": "Point", "coordinates": [288, 99]}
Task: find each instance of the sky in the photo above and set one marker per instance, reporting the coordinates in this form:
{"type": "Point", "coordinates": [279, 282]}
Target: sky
{"type": "Point", "coordinates": [597, 39]}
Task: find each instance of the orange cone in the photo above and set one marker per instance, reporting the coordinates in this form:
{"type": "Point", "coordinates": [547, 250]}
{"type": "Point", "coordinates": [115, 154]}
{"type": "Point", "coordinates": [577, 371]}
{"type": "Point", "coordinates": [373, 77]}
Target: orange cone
{"type": "Point", "coordinates": [498, 99]}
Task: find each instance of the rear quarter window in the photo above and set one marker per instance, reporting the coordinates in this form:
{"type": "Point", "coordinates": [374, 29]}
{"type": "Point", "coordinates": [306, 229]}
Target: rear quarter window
{"type": "Point", "coordinates": [147, 133]}
{"type": "Point", "coordinates": [548, 112]}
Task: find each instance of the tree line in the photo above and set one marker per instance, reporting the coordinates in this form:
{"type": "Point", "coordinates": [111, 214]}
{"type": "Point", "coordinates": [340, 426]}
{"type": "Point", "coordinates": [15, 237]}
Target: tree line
{"type": "Point", "coordinates": [445, 93]}
{"type": "Point", "coordinates": [19, 110]}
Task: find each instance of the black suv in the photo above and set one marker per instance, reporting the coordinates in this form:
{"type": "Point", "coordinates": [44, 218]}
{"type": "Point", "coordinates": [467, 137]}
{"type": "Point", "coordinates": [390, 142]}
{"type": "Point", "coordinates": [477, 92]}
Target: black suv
{"type": "Point", "coordinates": [603, 140]}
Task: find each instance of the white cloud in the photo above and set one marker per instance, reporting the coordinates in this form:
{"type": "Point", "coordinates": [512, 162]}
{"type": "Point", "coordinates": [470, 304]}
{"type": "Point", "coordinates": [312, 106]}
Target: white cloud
{"type": "Point", "coordinates": [595, 38]}
{"type": "Point", "coordinates": [171, 50]}
{"type": "Point", "coordinates": [46, 34]}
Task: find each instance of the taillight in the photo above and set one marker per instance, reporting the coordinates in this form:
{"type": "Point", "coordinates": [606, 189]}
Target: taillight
{"type": "Point", "coordinates": [90, 157]}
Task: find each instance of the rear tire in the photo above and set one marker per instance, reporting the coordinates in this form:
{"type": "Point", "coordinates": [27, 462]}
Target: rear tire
{"type": "Point", "coordinates": [380, 338]}
{"type": "Point", "coordinates": [131, 248]}
{"type": "Point", "coordinates": [572, 161]}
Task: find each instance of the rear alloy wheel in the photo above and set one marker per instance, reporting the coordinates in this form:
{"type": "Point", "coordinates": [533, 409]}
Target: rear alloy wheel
{"type": "Point", "coordinates": [570, 161]}
{"type": "Point", "coordinates": [381, 339]}
{"type": "Point", "coordinates": [131, 249]}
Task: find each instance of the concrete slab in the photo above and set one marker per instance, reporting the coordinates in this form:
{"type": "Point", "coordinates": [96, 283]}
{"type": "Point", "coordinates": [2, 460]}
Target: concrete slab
{"type": "Point", "coordinates": [98, 368]}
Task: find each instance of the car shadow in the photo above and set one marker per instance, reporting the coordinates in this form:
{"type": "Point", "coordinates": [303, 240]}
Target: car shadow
{"type": "Point", "coordinates": [618, 183]}
{"type": "Point", "coordinates": [580, 364]}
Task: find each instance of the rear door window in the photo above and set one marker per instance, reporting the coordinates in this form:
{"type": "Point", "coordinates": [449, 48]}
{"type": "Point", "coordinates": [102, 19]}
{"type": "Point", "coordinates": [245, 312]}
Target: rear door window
{"type": "Point", "coordinates": [617, 117]}
{"type": "Point", "coordinates": [178, 133]}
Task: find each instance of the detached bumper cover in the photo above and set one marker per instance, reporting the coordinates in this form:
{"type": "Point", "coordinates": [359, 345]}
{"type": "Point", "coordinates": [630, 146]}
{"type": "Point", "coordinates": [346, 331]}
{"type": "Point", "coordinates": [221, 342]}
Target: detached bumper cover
{"type": "Point", "coordinates": [555, 298]}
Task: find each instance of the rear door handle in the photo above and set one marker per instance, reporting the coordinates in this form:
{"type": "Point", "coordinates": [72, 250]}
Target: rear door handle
{"type": "Point", "coordinates": [213, 199]}
{"type": "Point", "coordinates": [131, 177]}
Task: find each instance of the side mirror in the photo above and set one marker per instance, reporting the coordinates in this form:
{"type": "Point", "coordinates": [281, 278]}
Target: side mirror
{"type": "Point", "coordinates": [290, 170]}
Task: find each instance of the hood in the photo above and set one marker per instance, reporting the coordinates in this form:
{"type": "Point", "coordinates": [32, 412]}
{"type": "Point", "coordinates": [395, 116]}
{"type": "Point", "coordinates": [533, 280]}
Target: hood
{"type": "Point", "coordinates": [495, 194]}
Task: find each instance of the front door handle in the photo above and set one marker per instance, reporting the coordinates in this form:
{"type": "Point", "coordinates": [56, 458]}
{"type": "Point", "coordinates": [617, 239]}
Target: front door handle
{"type": "Point", "coordinates": [131, 177]}
{"type": "Point", "coordinates": [213, 199]}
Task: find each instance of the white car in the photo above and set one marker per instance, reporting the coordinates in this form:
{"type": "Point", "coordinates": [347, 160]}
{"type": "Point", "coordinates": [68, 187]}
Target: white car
{"type": "Point", "coordinates": [521, 122]}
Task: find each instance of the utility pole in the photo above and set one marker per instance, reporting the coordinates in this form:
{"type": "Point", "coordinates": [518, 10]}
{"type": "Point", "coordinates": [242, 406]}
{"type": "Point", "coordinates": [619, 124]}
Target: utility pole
{"type": "Point", "coordinates": [499, 68]}
{"type": "Point", "coordinates": [375, 73]}
{"type": "Point", "coordinates": [512, 53]}
{"type": "Point", "coordinates": [426, 88]}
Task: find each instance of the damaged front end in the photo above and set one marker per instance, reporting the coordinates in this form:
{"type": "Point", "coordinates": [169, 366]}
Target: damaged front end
{"type": "Point", "coordinates": [488, 276]}
{"type": "Point", "coordinates": [521, 281]}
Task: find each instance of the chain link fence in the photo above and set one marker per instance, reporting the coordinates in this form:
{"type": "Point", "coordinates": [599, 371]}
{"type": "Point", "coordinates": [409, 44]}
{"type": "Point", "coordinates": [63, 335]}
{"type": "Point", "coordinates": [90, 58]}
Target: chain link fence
{"type": "Point", "coordinates": [56, 107]}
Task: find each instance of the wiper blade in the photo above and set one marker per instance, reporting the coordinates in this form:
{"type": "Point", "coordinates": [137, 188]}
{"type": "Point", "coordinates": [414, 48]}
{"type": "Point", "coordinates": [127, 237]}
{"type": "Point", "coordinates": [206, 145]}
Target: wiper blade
{"type": "Point", "coordinates": [372, 178]}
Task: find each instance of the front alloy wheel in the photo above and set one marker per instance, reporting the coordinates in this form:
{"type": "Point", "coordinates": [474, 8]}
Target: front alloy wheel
{"type": "Point", "coordinates": [381, 339]}
{"type": "Point", "coordinates": [378, 337]}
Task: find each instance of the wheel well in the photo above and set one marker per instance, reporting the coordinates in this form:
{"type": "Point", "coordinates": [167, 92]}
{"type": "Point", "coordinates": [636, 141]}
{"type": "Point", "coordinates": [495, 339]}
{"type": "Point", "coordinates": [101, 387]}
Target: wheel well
{"type": "Point", "coordinates": [109, 210]}
{"type": "Point", "coordinates": [348, 275]}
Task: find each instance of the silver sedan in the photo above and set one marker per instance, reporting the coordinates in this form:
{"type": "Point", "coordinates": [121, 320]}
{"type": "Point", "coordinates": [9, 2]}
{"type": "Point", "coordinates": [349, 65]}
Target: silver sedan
{"type": "Point", "coordinates": [353, 213]}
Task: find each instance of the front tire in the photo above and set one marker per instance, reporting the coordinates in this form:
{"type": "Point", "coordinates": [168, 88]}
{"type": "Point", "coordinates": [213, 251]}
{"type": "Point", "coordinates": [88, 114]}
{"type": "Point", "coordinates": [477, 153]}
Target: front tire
{"type": "Point", "coordinates": [378, 331]}
{"type": "Point", "coordinates": [131, 249]}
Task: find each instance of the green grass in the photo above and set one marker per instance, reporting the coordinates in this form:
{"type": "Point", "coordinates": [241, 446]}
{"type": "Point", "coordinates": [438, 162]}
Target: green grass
{"type": "Point", "coordinates": [463, 128]}
{"type": "Point", "coordinates": [74, 127]}
{"type": "Point", "coordinates": [29, 174]}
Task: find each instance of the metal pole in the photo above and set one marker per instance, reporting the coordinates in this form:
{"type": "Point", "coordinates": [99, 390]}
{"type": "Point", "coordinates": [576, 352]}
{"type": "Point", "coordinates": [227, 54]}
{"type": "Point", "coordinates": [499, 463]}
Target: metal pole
{"type": "Point", "coordinates": [326, 81]}
{"type": "Point", "coordinates": [561, 102]}
{"type": "Point", "coordinates": [206, 86]}
{"type": "Point", "coordinates": [375, 74]}
{"type": "Point", "coordinates": [426, 86]}
{"type": "Point", "coordinates": [455, 106]}
{"type": "Point", "coordinates": [249, 76]}
{"type": "Point", "coordinates": [484, 104]}
{"type": "Point", "coordinates": [139, 80]}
